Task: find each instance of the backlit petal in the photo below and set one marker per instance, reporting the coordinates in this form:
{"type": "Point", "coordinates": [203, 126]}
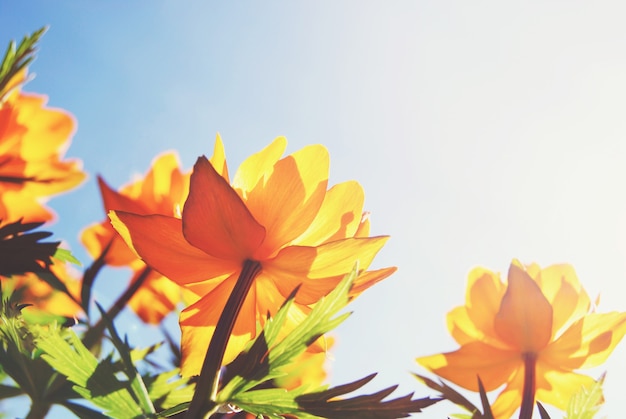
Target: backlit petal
{"type": "Point", "coordinates": [557, 387]}
{"type": "Point", "coordinates": [482, 302]}
{"type": "Point", "coordinates": [524, 320]}
{"type": "Point", "coordinates": [339, 216]}
{"type": "Point", "coordinates": [289, 199]}
{"type": "Point", "coordinates": [319, 269]}
{"type": "Point", "coordinates": [588, 342]}
{"type": "Point", "coordinates": [159, 241]}
{"type": "Point", "coordinates": [560, 285]}
{"type": "Point", "coordinates": [258, 167]}
{"type": "Point", "coordinates": [216, 220]}
{"type": "Point", "coordinates": [218, 159]}
{"type": "Point", "coordinates": [494, 366]}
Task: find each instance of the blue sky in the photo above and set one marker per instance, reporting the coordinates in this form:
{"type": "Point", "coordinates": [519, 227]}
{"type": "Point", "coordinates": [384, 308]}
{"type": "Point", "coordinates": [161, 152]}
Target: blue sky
{"type": "Point", "coordinates": [480, 131]}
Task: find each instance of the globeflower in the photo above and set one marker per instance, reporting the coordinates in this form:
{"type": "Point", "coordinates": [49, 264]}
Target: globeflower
{"type": "Point", "coordinates": [33, 140]}
{"type": "Point", "coordinates": [162, 190]}
{"type": "Point", "coordinates": [531, 334]}
{"type": "Point", "coordinates": [276, 225]}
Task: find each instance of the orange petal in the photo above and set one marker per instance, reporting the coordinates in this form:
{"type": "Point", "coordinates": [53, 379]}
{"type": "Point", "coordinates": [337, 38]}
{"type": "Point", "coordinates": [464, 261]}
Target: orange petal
{"type": "Point", "coordinates": [216, 220]}
{"type": "Point", "coordinates": [494, 366]}
{"type": "Point", "coordinates": [370, 278]}
{"type": "Point", "coordinates": [114, 200]}
{"type": "Point", "coordinates": [159, 241]}
{"type": "Point", "coordinates": [156, 298]}
{"type": "Point", "coordinates": [339, 216]}
{"type": "Point", "coordinates": [524, 320]}
{"type": "Point", "coordinates": [319, 269]}
{"type": "Point", "coordinates": [287, 202]}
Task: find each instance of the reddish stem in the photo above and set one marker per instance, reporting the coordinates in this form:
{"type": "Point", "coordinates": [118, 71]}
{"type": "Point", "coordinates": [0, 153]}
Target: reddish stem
{"type": "Point", "coordinates": [206, 386]}
{"type": "Point", "coordinates": [528, 393]}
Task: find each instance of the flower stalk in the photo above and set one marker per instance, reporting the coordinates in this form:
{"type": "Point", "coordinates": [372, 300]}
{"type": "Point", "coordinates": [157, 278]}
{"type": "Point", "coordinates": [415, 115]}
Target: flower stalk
{"type": "Point", "coordinates": [207, 384]}
{"type": "Point", "coordinates": [528, 392]}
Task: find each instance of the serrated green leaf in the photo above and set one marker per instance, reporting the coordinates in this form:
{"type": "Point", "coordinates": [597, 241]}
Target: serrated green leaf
{"type": "Point", "coordinates": [17, 58]}
{"type": "Point", "coordinates": [586, 402]}
{"type": "Point", "coordinates": [94, 380]}
{"type": "Point", "coordinates": [140, 392]}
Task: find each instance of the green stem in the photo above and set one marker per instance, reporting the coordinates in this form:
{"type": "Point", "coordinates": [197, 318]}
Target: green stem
{"type": "Point", "coordinates": [203, 401]}
{"type": "Point", "coordinates": [94, 333]}
{"type": "Point", "coordinates": [528, 393]}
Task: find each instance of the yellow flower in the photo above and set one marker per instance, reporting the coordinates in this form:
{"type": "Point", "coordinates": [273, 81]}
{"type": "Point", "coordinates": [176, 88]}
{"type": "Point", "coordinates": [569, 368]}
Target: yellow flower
{"type": "Point", "coordinates": [163, 190]}
{"type": "Point", "coordinates": [278, 216]}
{"type": "Point", "coordinates": [33, 139]}
{"type": "Point", "coordinates": [530, 334]}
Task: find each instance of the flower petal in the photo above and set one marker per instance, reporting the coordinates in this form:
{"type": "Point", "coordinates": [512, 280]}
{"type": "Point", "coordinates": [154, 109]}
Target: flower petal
{"type": "Point", "coordinates": [258, 167]}
{"type": "Point", "coordinates": [288, 201]}
{"type": "Point", "coordinates": [588, 342]}
{"type": "Point", "coordinates": [560, 285]}
{"type": "Point", "coordinates": [159, 241]}
{"type": "Point", "coordinates": [218, 159]}
{"type": "Point", "coordinates": [557, 387]}
{"type": "Point", "coordinates": [319, 269]}
{"type": "Point", "coordinates": [462, 367]}
{"type": "Point", "coordinates": [216, 220]}
{"type": "Point", "coordinates": [525, 317]}
{"type": "Point", "coordinates": [338, 218]}
{"type": "Point", "coordinates": [475, 320]}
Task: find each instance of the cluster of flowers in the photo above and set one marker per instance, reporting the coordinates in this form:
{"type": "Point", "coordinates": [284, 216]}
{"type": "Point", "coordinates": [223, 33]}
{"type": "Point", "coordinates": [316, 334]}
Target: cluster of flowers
{"type": "Point", "coordinates": [212, 245]}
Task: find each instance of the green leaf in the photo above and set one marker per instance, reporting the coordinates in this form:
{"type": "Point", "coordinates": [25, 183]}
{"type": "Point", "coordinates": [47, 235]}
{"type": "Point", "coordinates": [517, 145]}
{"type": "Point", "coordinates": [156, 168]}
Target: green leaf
{"type": "Point", "coordinates": [249, 376]}
{"type": "Point", "coordinates": [94, 380]}
{"type": "Point", "coordinates": [65, 255]}
{"type": "Point", "coordinates": [16, 58]}
{"type": "Point", "coordinates": [9, 391]}
{"type": "Point", "coordinates": [586, 402]}
{"type": "Point", "coordinates": [136, 383]}
{"type": "Point", "coordinates": [169, 389]}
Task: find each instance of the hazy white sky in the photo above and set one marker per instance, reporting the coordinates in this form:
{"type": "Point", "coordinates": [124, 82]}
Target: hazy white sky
{"type": "Point", "coordinates": [481, 131]}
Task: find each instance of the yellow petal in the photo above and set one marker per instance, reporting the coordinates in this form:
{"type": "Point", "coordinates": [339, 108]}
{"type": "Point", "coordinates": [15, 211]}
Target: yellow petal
{"type": "Point", "coordinates": [524, 320]}
{"type": "Point", "coordinates": [510, 398]}
{"type": "Point", "coordinates": [258, 167]}
{"type": "Point", "coordinates": [560, 285]}
{"type": "Point", "coordinates": [338, 218]}
{"type": "Point", "coordinates": [218, 160]}
{"type": "Point", "coordinates": [289, 199]}
{"type": "Point", "coordinates": [475, 321]}
{"type": "Point", "coordinates": [557, 387]}
{"type": "Point", "coordinates": [588, 342]}
{"type": "Point", "coordinates": [319, 269]}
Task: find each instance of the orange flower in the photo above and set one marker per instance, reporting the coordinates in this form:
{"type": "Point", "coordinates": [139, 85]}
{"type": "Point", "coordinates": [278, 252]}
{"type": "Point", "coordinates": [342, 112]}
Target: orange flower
{"type": "Point", "coordinates": [33, 139]}
{"type": "Point", "coordinates": [531, 335]}
{"type": "Point", "coordinates": [278, 213]}
{"type": "Point", "coordinates": [162, 191]}
{"type": "Point", "coordinates": [30, 289]}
